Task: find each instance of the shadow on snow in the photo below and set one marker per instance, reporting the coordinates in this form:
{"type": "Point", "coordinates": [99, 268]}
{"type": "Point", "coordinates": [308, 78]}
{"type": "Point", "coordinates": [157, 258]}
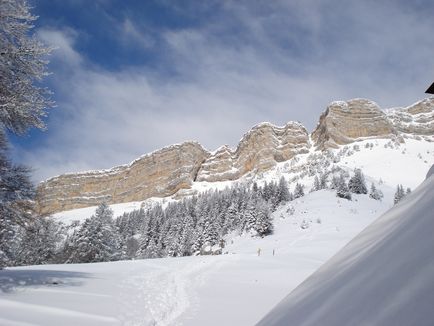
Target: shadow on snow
{"type": "Point", "coordinates": [11, 280]}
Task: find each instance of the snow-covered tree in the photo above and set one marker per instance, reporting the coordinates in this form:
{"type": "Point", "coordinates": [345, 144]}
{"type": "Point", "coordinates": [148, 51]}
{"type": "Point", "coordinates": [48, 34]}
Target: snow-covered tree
{"type": "Point", "coordinates": [98, 239]}
{"type": "Point", "coordinates": [342, 190]}
{"type": "Point", "coordinates": [283, 193]}
{"type": "Point", "coordinates": [258, 217]}
{"type": "Point", "coordinates": [357, 183]}
{"type": "Point", "coordinates": [375, 193]}
{"type": "Point", "coordinates": [316, 184]}
{"type": "Point", "coordinates": [299, 190]}
{"type": "Point", "coordinates": [399, 194]}
{"type": "Point", "coordinates": [22, 106]}
{"type": "Point", "coordinates": [16, 191]}
{"type": "Point", "coordinates": [39, 244]}
{"type": "Point", "coordinates": [263, 225]}
{"type": "Point", "coordinates": [22, 64]}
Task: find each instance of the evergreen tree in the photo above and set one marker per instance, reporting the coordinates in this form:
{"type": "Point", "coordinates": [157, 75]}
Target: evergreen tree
{"type": "Point", "coordinates": [16, 191]}
{"type": "Point", "coordinates": [399, 194]}
{"type": "Point", "coordinates": [263, 225]}
{"type": "Point", "coordinates": [39, 242]}
{"type": "Point", "coordinates": [375, 193]}
{"type": "Point", "coordinates": [342, 190]}
{"type": "Point", "coordinates": [97, 240]}
{"type": "Point", "coordinates": [283, 193]}
{"type": "Point", "coordinates": [316, 184]}
{"type": "Point", "coordinates": [357, 183]}
{"type": "Point", "coordinates": [323, 181]}
{"type": "Point", "coordinates": [299, 190]}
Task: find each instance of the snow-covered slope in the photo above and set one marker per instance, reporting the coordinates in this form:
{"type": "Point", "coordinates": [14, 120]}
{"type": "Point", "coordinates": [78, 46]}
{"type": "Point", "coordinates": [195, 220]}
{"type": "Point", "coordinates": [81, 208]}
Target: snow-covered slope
{"type": "Point", "coordinates": [384, 276]}
{"type": "Point", "coordinates": [236, 288]}
{"type": "Point", "coordinates": [381, 160]}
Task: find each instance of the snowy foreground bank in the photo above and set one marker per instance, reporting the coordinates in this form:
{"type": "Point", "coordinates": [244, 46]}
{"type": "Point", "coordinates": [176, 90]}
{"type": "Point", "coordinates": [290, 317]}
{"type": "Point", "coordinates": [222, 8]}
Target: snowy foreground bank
{"type": "Point", "coordinates": [384, 276]}
{"type": "Point", "coordinates": [237, 288]}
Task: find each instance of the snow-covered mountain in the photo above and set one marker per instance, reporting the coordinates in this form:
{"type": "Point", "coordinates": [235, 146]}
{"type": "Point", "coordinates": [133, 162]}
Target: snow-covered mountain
{"type": "Point", "coordinates": [180, 169]}
{"type": "Point", "coordinates": [384, 276]}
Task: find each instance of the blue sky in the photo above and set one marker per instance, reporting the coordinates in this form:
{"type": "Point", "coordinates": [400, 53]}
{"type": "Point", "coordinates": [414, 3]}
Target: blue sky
{"type": "Point", "coordinates": [132, 76]}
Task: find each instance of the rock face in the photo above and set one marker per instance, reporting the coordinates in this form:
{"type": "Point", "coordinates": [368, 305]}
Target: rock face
{"type": "Point", "coordinates": [345, 122]}
{"type": "Point", "coordinates": [161, 173]}
{"type": "Point", "coordinates": [174, 169]}
{"type": "Point", "coordinates": [417, 119]}
{"type": "Point", "coordinates": [260, 149]}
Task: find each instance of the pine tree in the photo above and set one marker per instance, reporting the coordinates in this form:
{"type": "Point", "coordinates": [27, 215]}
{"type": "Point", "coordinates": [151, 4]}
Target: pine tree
{"type": "Point", "coordinates": [375, 193]}
{"type": "Point", "coordinates": [342, 190]}
{"type": "Point", "coordinates": [316, 184]}
{"type": "Point", "coordinates": [299, 190]}
{"type": "Point", "coordinates": [283, 193]}
{"type": "Point", "coordinates": [97, 240]}
{"type": "Point", "coordinates": [399, 194]}
{"type": "Point", "coordinates": [263, 225]}
{"type": "Point", "coordinates": [323, 181]}
{"type": "Point", "coordinates": [39, 242]}
{"type": "Point", "coordinates": [357, 183]}
{"type": "Point", "coordinates": [16, 191]}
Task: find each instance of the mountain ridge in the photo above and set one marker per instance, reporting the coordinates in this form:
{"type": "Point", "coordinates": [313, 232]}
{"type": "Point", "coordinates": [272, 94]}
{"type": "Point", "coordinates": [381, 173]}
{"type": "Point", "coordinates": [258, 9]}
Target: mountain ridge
{"type": "Point", "coordinates": [166, 171]}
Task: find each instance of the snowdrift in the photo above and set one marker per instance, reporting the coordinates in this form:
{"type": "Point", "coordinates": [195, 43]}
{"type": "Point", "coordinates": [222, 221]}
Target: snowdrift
{"type": "Point", "coordinates": [384, 276]}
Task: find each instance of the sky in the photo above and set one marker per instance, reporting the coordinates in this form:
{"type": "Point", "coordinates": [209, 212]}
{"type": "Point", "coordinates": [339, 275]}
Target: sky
{"type": "Point", "coordinates": [129, 77]}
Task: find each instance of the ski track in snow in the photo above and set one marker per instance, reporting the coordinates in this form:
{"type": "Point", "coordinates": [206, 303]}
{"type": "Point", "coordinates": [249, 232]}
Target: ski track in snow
{"type": "Point", "coordinates": [157, 295]}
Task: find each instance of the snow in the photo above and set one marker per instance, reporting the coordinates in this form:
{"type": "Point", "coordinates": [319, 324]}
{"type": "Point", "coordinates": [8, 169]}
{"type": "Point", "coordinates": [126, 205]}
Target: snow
{"type": "Point", "coordinates": [384, 276]}
{"type": "Point", "coordinates": [386, 161]}
{"type": "Point", "coordinates": [81, 214]}
{"type": "Point", "coordinates": [236, 288]}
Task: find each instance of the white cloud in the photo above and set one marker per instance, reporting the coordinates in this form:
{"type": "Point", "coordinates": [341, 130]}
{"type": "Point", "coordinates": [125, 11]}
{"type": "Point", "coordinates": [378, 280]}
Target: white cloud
{"type": "Point", "coordinates": [63, 43]}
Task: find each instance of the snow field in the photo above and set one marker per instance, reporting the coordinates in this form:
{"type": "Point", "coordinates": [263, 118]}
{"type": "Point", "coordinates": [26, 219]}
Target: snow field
{"type": "Point", "coordinates": [236, 288]}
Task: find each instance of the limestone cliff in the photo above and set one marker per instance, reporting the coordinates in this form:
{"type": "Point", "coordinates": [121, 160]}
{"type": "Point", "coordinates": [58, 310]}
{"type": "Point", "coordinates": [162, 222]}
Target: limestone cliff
{"type": "Point", "coordinates": [161, 173]}
{"type": "Point", "coordinates": [417, 119]}
{"type": "Point", "coordinates": [345, 122]}
{"type": "Point", "coordinates": [166, 171]}
{"type": "Point", "coordinates": [260, 149]}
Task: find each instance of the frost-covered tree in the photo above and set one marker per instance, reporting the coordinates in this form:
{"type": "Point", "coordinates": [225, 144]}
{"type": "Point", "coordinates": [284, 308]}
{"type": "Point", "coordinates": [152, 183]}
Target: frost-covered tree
{"type": "Point", "coordinates": [16, 191]}
{"type": "Point", "coordinates": [263, 224]}
{"type": "Point", "coordinates": [23, 104]}
{"type": "Point", "coordinates": [258, 217]}
{"type": "Point", "coordinates": [39, 244]}
{"type": "Point", "coordinates": [299, 190]}
{"type": "Point", "coordinates": [357, 183]}
{"type": "Point", "coordinates": [316, 184]}
{"type": "Point", "coordinates": [98, 239]}
{"type": "Point", "coordinates": [283, 193]}
{"type": "Point", "coordinates": [375, 193]}
{"type": "Point", "coordinates": [399, 194]}
{"type": "Point", "coordinates": [342, 190]}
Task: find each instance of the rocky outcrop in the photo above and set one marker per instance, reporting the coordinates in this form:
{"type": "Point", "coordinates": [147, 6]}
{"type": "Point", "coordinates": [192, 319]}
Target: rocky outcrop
{"type": "Point", "coordinates": [172, 170]}
{"type": "Point", "coordinates": [159, 174]}
{"type": "Point", "coordinates": [344, 122]}
{"type": "Point", "coordinates": [417, 119]}
{"type": "Point", "coordinates": [259, 150]}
